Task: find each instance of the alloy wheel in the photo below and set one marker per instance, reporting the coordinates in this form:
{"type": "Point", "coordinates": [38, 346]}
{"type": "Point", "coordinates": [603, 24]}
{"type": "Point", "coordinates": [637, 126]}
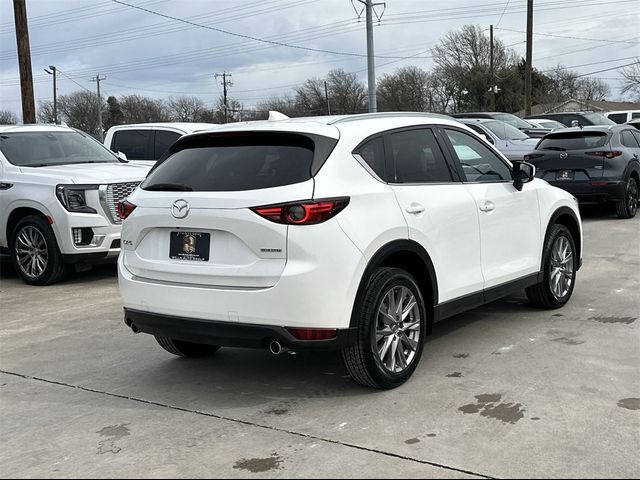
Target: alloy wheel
{"type": "Point", "coordinates": [562, 267]}
{"type": "Point", "coordinates": [632, 197]}
{"type": "Point", "coordinates": [398, 329]}
{"type": "Point", "coordinates": [31, 252]}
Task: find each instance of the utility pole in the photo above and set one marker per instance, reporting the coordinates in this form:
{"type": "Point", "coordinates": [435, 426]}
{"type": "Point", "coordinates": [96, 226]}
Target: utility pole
{"type": "Point", "coordinates": [24, 61]}
{"type": "Point", "coordinates": [98, 79]}
{"type": "Point", "coordinates": [492, 107]}
{"type": "Point", "coordinates": [326, 96]}
{"type": "Point", "coordinates": [527, 70]}
{"type": "Point", "coordinates": [225, 83]}
{"type": "Point", "coordinates": [371, 63]}
{"type": "Point", "coordinates": [55, 93]}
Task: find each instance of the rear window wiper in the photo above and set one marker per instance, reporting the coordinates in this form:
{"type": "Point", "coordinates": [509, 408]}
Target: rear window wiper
{"type": "Point", "coordinates": [168, 187]}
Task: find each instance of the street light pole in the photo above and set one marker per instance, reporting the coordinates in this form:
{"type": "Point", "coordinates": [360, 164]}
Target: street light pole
{"type": "Point", "coordinates": [55, 93]}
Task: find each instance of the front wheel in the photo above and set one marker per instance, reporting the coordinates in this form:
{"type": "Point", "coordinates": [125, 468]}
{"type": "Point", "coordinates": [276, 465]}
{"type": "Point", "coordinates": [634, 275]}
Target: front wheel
{"type": "Point", "coordinates": [34, 252]}
{"type": "Point", "coordinates": [628, 206]}
{"type": "Point", "coordinates": [391, 329]}
{"type": "Point", "coordinates": [559, 263]}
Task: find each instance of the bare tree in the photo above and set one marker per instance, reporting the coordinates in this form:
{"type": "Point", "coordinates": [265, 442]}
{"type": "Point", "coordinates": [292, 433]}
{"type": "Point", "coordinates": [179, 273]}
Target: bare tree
{"type": "Point", "coordinates": [631, 82]}
{"type": "Point", "coordinates": [7, 117]}
{"type": "Point", "coordinates": [186, 108]}
{"type": "Point", "coordinates": [285, 104]}
{"type": "Point", "coordinates": [346, 94]}
{"type": "Point", "coordinates": [139, 109]}
{"type": "Point", "coordinates": [407, 89]}
{"type": "Point", "coordinates": [45, 111]}
{"type": "Point", "coordinates": [592, 89]}
{"type": "Point", "coordinates": [463, 57]}
{"type": "Point", "coordinates": [80, 110]}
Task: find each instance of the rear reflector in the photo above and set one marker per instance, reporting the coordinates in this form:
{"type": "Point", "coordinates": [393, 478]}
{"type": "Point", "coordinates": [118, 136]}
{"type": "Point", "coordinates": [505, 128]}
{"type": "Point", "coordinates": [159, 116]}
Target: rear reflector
{"type": "Point", "coordinates": [306, 212]}
{"type": "Point", "coordinates": [599, 184]}
{"type": "Point", "coordinates": [313, 333]}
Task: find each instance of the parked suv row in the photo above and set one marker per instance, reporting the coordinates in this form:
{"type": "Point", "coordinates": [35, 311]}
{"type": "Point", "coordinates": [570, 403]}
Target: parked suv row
{"type": "Point", "coordinates": [354, 233]}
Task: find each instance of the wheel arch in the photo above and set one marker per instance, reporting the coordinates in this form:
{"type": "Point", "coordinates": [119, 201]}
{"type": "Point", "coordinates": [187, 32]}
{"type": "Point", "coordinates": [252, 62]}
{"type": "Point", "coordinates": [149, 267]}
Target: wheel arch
{"type": "Point", "coordinates": [410, 256]}
{"type": "Point", "coordinates": [19, 213]}
{"type": "Point", "coordinates": [567, 217]}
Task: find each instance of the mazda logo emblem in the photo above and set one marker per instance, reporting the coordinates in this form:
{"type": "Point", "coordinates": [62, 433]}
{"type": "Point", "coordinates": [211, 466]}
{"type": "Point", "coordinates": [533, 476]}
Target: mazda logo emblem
{"type": "Point", "coordinates": [564, 155]}
{"type": "Point", "coordinates": [180, 208]}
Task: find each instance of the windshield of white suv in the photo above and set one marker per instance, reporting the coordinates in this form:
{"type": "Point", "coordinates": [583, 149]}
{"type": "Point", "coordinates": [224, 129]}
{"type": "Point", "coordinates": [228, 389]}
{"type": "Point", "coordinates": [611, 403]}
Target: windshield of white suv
{"type": "Point", "coordinates": [512, 120]}
{"type": "Point", "coordinates": [504, 131]}
{"type": "Point", "coordinates": [598, 119]}
{"type": "Point", "coordinates": [45, 149]}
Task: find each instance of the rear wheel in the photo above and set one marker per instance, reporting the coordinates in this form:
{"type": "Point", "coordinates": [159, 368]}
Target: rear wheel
{"type": "Point", "coordinates": [559, 263]}
{"type": "Point", "coordinates": [391, 330]}
{"type": "Point", "coordinates": [186, 349]}
{"type": "Point", "coordinates": [34, 252]}
{"type": "Point", "coordinates": [628, 206]}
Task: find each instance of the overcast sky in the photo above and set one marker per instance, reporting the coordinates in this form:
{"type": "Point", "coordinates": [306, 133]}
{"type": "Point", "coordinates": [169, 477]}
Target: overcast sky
{"type": "Point", "coordinates": [144, 53]}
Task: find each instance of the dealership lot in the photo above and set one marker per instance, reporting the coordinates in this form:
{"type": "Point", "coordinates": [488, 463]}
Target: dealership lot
{"type": "Point", "coordinates": [504, 390]}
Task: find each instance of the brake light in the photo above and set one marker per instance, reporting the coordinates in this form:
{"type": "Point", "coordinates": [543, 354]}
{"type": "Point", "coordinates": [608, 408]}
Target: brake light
{"type": "Point", "coordinates": [125, 209]}
{"type": "Point", "coordinates": [531, 156]}
{"type": "Point", "coordinates": [307, 212]}
{"type": "Point", "coordinates": [313, 333]}
{"type": "Point", "coordinates": [606, 154]}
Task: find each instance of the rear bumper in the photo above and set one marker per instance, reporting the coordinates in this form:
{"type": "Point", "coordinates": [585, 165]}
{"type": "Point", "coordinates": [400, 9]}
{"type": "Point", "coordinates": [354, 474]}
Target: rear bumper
{"type": "Point", "coordinates": [587, 192]}
{"type": "Point", "coordinates": [228, 334]}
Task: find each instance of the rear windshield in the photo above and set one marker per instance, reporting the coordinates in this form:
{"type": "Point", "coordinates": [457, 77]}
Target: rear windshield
{"type": "Point", "coordinates": [235, 162]}
{"type": "Point", "coordinates": [573, 141]}
{"type": "Point", "coordinates": [504, 131]}
{"type": "Point", "coordinates": [43, 149]}
{"type": "Point", "coordinates": [512, 120]}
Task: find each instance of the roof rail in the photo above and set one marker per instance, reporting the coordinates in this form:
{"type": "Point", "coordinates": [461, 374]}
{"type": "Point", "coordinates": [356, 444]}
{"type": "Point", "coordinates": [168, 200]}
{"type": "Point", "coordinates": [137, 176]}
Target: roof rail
{"type": "Point", "coordinates": [365, 116]}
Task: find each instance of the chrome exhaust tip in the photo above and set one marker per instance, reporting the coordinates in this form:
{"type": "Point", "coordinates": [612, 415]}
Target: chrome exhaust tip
{"type": "Point", "coordinates": [276, 348]}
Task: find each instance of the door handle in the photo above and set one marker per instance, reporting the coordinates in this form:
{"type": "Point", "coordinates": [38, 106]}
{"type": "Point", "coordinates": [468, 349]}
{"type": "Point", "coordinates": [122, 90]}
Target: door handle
{"type": "Point", "coordinates": [415, 208]}
{"type": "Point", "coordinates": [488, 207]}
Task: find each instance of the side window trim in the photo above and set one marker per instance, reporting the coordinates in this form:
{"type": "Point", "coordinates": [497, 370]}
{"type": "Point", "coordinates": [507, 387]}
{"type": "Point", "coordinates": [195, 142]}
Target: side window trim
{"type": "Point", "coordinates": [389, 162]}
{"type": "Point", "coordinates": [457, 163]}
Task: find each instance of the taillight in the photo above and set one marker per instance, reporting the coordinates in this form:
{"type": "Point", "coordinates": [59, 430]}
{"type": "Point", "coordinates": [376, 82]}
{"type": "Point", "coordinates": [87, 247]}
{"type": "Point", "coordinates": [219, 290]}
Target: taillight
{"type": "Point", "coordinates": [304, 212]}
{"type": "Point", "coordinates": [313, 333]}
{"type": "Point", "coordinates": [605, 153]}
{"type": "Point", "coordinates": [532, 156]}
{"type": "Point", "coordinates": [125, 208]}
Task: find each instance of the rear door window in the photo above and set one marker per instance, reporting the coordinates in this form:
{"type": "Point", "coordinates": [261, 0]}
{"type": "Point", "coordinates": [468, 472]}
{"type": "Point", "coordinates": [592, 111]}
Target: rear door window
{"type": "Point", "coordinates": [573, 141]}
{"type": "Point", "coordinates": [135, 144]}
{"type": "Point", "coordinates": [235, 162]}
{"type": "Point", "coordinates": [163, 140]}
{"type": "Point", "coordinates": [417, 157]}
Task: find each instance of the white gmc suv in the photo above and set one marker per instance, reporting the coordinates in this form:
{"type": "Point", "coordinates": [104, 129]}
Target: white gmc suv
{"type": "Point", "coordinates": [59, 190]}
{"type": "Point", "coordinates": [354, 233]}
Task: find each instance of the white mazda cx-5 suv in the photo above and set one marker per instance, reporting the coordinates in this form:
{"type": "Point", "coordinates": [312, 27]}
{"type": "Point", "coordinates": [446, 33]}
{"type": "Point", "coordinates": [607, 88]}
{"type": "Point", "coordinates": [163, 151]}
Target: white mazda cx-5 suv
{"type": "Point", "coordinates": [355, 233]}
{"type": "Point", "coordinates": [59, 191]}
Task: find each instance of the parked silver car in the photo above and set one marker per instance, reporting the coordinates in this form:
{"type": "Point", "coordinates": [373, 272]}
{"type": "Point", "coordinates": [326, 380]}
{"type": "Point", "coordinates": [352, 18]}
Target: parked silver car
{"type": "Point", "coordinates": [509, 140]}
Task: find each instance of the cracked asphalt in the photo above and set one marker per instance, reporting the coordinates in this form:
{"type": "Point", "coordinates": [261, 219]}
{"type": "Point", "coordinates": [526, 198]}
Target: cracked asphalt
{"type": "Point", "coordinates": [502, 391]}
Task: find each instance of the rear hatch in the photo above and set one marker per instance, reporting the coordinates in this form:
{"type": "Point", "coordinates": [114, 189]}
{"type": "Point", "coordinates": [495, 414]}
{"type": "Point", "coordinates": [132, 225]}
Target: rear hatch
{"type": "Point", "coordinates": [193, 223]}
{"type": "Point", "coordinates": [571, 156]}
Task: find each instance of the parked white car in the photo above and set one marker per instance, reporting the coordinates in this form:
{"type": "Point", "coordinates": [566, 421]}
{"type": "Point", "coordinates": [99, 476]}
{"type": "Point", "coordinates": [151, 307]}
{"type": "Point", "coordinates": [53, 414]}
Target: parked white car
{"type": "Point", "coordinates": [623, 116]}
{"type": "Point", "coordinates": [546, 123]}
{"type": "Point", "coordinates": [59, 191]}
{"type": "Point", "coordinates": [147, 142]}
{"type": "Point", "coordinates": [513, 143]}
{"type": "Point", "coordinates": [354, 233]}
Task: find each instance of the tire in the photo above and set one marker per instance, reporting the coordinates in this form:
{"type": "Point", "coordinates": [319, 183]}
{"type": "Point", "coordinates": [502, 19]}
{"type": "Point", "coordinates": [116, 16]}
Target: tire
{"type": "Point", "coordinates": [559, 270]}
{"type": "Point", "coordinates": [186, 349]}
{"type": "Point", "coordinates": [627, 207]}
{"type": "Point", "coordinates": [364, 361]}
{"type": "Point", "coordinates": [35, 255]}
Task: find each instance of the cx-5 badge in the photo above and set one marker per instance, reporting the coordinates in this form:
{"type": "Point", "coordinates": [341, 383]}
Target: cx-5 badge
{"type": "Point", "coordinates": [180, 208]}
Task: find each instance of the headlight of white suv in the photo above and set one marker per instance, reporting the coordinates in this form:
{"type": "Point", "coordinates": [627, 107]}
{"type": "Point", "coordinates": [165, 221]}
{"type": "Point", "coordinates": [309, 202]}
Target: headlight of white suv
{"type": "Point", "coordinates": [73, 197]}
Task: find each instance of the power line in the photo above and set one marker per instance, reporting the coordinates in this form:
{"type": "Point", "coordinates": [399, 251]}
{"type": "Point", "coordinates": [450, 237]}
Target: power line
{"type": "Point", "coordinates": [574, 38]}
{"type": "Point", "coordinates": [505, 9]}
{"type": "Point", "coordinates": [84, 88]}
{"type": "Point", "coordinates": [609, 69]}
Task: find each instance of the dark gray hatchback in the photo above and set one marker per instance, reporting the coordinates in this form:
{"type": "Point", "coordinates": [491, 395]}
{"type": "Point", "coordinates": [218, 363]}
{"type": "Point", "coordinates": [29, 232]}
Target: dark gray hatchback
{"type": "Point", "coordinates": [595, 164]}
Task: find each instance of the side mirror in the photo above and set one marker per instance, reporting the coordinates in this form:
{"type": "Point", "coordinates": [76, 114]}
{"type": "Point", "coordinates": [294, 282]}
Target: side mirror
{"type": "Point", "coordinates": [122, 156]}
{"type": "Point", "coordinates": [523, 172]}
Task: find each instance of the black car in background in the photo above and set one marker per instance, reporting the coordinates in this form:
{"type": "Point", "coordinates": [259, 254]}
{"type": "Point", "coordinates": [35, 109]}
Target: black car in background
{"type": "Point", "coordinates": [583, 118]}
{"type": "Point", "coordinates": [595, 164]}
{"type": "Point", "coordinates": [509, 118]}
